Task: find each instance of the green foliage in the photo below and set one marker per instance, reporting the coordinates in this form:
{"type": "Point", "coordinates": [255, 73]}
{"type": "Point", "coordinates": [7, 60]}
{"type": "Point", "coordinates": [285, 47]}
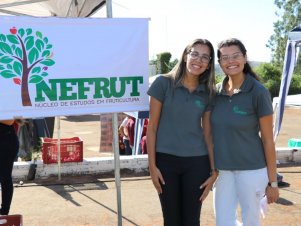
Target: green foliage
{"type": "Point", "coordinates": [163, 62]}
{"type": "Point", "coordinates": [290, 16]}
{"type": "Point", "coordinates": [295, 87]}
{"type": "Point", "coordinates": [219, 77]}
{"type": "Point", "coordinates": [270, 76]}
{"type": "Point", "coordinates": [268, 71]}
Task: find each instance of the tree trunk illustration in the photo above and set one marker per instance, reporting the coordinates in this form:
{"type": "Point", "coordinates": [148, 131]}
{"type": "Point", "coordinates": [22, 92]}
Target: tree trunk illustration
{"type": "Point", "coordinates": [24, 89]}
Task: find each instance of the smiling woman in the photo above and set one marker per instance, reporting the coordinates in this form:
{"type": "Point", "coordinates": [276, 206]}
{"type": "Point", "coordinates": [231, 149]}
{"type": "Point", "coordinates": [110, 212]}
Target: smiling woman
{"type": "Point", "coordinates": [180, 151]}
{"type": "Point", "coordinates": [242, 121]}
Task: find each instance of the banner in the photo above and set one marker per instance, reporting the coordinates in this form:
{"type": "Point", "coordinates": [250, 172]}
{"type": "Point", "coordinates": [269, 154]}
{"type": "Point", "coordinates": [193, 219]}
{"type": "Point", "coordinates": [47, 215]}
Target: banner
{"type": "Point", "coordinates": [71, 66]}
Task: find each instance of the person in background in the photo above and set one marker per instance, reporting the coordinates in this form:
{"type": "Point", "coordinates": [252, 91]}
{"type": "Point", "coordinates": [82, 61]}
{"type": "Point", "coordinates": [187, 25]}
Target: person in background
{"type": "Point", "coordinates": [9, 146]}
{"type": "Point", "coordinates": [242, 121]}
{"type": "Point", "coordinates": [125, 136]}
{"type": "Point", "coordinates": [130, 128]}
{"type": "Point", "coordinates": [179, 146]}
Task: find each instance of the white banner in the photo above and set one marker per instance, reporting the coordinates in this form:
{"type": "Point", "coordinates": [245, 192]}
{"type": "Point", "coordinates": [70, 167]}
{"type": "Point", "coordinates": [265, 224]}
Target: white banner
{"type": "Point", "coordinates": [72, 66]}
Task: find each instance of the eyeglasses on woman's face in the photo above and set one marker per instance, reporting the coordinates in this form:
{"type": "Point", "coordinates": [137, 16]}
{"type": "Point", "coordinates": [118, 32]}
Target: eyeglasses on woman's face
{"type": "Point", "coordinates": [194, 55]}
{"type": "Point", "coordinates": [233, 57]}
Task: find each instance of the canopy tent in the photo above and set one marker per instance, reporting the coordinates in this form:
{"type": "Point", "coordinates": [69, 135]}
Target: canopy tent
{"type": "Point", "coordinates": [290, 59]}
{"type": "Point", "coordinates": [59, 8]}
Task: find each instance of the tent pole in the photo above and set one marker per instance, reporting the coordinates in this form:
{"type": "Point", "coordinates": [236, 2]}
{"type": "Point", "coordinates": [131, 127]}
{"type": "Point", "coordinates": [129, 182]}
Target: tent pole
{"type": "Point", "coordinates": [109, 8]}
{"type": "Point", "coordinates": [117, 166]}
{"type": "Point", "coordinates": [59, 146]}
{"type": "Point", "coordinates": [116, 141]}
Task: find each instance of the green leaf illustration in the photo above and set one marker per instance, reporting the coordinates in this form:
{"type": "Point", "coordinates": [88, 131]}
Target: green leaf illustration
{"type": "Point", "coordinates": [29, 42]}
{"type": "Point", "coordinates": [1, 67]}
{"type": "Point", "coordinates": [44, 74]}
{"type": "Point", "coordinates": [39, 44]}
{"type": "Point", "coordinates": [33, 55]}
{"type": "Point", "coordinates": [28, 31]}
{"type": "Point", "coordinates": [19, 52]}
{"type": "Point", "coordinates": [39, 34]}
{"type": "Point", "coordinates": [5, 60]}
{"type": "Point", "coordinates": [13, 39]}
{"type": "Point", "coordinates": [36, 70]}
{"type": "Point", "coordinates": [21, 32]}
{"type": "Point", "coordinates": [7, 74]}
{"type": "Point", "coordinates": [46, 53]}
{"type": "Point", "coordinates": [5, 48]}
{"type": "Point", "coordinates": [49, 46]}
{"type": "Point", "coordinates": [17, 67]}
{"type": "Point", "coordinates": [9, 66]}
{"type": "Point", "coordinates": [45, 40]}
{"type": "Point", "coordinates": [47, 62]}
{"type": "Point", "coordinates": [35, 79]}
{"type": "Point", "coordinates": [2, 38]}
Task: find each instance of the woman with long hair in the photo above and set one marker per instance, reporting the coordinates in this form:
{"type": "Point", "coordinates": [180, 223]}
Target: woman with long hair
{"type": "Point", "coordinates": [179, 146]}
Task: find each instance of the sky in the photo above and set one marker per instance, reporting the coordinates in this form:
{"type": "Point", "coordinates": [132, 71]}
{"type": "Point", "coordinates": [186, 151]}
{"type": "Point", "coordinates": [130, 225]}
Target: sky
{"type": "Point", "coordinates": [175, 23]}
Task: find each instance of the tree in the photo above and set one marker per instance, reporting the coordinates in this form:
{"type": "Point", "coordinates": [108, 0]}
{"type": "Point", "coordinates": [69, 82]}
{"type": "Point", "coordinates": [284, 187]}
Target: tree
{"type": "Point", "coordinates": [25, 57]}
{"type": "Point", "coordinates": [270, 76]}
{"type": "Point", "coordinates": [163, 62]}
{"type": "Point", "coordinates": [290, 17]}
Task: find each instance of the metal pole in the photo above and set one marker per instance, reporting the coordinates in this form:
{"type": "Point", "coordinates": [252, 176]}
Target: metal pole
{"type": "Point", "coordinates": [59, 146]}
{"type": "Point", "coordinates": [115, 143]}
{"type": "Point", "coordinates": [117, 166]}
{"type": "Point", "coordinates": [109, 8]}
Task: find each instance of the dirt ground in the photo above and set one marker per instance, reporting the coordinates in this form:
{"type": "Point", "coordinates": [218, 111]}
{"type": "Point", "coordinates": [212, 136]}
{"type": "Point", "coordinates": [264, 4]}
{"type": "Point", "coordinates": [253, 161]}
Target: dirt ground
{"type": "Point", "coordinates": [291, 126]}
{"type": "Point", "coordinates": [92, 200]}
{"type": "Point", "coordinates": [88, 128]}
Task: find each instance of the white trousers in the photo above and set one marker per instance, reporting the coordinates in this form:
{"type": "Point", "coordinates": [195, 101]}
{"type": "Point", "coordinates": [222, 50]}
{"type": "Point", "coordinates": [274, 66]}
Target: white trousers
{"type": "Point", "coordinates": [243, 187]}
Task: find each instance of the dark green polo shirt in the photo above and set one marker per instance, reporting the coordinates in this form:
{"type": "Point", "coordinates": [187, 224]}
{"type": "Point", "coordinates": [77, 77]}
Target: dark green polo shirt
{"type": "Point", "coordinates": [235, 126]}
{"type": "Point", "coordinates": [179, 131]}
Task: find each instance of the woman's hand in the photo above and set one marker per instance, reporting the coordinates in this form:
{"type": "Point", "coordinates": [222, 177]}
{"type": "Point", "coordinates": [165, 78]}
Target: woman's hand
{"type": "Point", "coordinates": [157, 178]}
{"type": "Point", "coordinates": [207, 185]}
{"type": "Point", "coordinates": [272, 194]}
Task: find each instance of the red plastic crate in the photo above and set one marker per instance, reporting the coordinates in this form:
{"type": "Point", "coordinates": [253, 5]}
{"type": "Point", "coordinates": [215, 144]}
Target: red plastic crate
{"type": "Point", "coordinates": [71, 150]}
{"type": "Point", "coordinates": [11, 220]}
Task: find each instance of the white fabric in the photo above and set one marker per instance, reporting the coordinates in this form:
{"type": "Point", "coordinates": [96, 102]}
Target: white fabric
{"type": "Point", "coordinates": [59, 8]}
{"type": "Point", "coordinates": [91, 58]}
{"type": "Point", "coordinates": [291, 100]}
{"type": "Point", "coordinates": [288, 69]}
{"type": "Point", "coordinates": [246, 188]}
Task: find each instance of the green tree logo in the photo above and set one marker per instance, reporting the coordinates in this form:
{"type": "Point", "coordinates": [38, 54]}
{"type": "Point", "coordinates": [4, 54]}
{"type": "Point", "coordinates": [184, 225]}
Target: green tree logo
{"type": "Point", "coordinates": [25, 58]}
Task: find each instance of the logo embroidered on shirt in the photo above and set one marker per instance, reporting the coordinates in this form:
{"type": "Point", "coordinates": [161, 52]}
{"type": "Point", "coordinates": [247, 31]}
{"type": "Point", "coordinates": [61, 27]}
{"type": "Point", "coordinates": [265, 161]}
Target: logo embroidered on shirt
{"type": "Point", "coordinates": [237, 111]}
{"type": "Point", "coordinates": [199, 104]}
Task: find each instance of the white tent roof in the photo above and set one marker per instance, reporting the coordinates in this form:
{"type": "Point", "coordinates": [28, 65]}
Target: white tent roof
{"type": "Point", "coordinates": [60, 8]}
{"type": "Point", "coordinates": [295, 34]}
{"type": "Point", "coordinates": [291, 100]}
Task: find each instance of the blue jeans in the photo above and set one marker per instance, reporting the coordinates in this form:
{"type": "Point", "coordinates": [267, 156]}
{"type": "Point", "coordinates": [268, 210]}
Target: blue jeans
{"type": "Point", "coordinates": [128, 149]}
